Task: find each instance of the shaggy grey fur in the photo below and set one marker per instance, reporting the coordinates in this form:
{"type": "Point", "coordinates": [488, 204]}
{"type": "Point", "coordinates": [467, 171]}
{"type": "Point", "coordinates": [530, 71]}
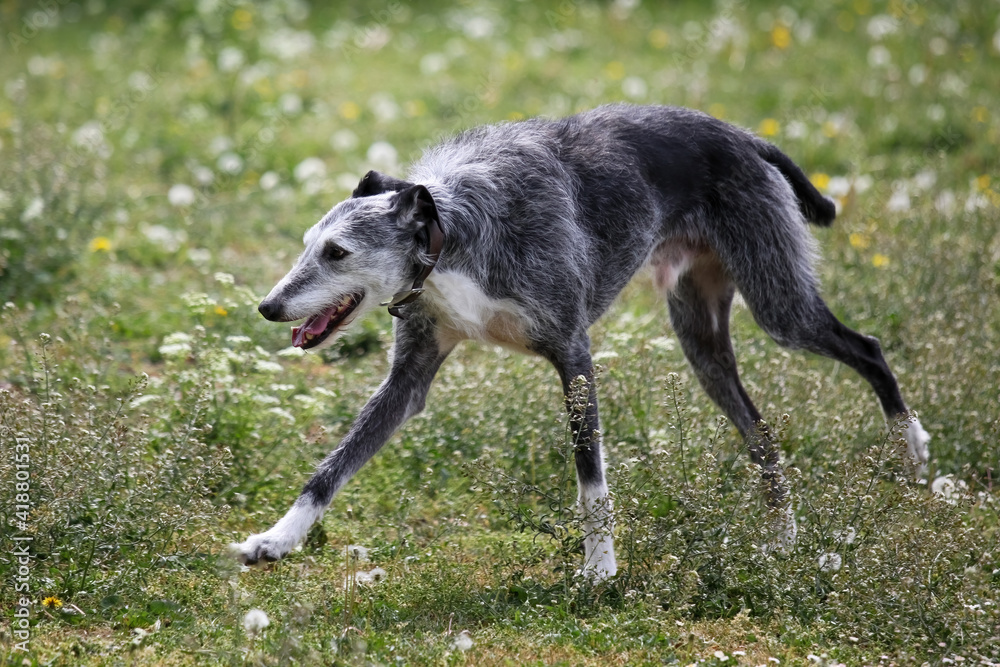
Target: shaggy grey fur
{"type": "Point", "coordinates": [545, 222]}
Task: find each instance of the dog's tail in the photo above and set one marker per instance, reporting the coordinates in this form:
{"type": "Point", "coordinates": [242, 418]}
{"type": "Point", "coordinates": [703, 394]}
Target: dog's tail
{"type": "Point", "coordinates": [815, 207]}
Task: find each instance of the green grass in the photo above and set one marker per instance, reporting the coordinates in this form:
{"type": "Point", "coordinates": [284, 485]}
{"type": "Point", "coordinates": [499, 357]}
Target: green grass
{"type": "Point", "coordinates": [162, 422]}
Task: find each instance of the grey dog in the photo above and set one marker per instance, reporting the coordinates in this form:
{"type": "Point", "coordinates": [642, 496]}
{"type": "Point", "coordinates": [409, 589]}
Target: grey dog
{"type": "Point", "coordinates": [522, 234]}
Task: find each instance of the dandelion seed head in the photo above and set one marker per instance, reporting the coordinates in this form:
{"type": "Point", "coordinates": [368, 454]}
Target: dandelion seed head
{"type": "Point", "coordinates": [830, 562]}
{"type": "Point", "coordinates": [463, 642]}
{"type": "Point", "coordinates": [255, 621]}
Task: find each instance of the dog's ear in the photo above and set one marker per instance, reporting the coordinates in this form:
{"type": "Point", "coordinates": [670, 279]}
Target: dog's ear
{"type": "Point", "coordinates": [374, 183]}
{"type": "Point", "coordinates": [415, 208]}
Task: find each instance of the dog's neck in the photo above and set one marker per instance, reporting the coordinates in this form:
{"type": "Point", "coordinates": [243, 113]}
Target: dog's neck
{"type": "Point", "coordinates": [434, 244]}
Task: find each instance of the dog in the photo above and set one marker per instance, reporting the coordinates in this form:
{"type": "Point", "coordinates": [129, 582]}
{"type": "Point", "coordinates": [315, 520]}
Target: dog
{"type": "Point", "coordinates": [524, 233]}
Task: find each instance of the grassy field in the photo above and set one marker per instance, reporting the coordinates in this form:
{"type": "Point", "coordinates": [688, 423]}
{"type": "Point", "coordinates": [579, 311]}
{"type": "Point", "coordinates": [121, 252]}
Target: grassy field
{"type": "Point", "coordinates": [157, 170]}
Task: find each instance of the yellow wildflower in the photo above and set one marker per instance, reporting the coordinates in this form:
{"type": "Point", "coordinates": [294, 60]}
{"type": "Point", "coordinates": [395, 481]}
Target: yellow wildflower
{"type": "Point", "coordinates": [820, 180]}
{"type": "Point", "coordinates": [879, 261]}
{"type": "Point", "coordinates": [220, 311]}
{"type": "Point", "coordinates": [768, 127]}
{"type": "Point", "coordinates": [242, 19]}
{"type": "Point", "coordinates": [350, 110]}
{"type": "Point", "coordinates": [52, 602]}
{"type": "Point", "coordinates": [100, 244]}
{"type": "Point", "coordinates": [983, 182]}
{"type": "Point", "coordinates": [615, 70]}
{"type": "Point", "coordinates": [781, 36]}
{"type": "Point", "coordinates": [859, 241]}
{"type": "Point", "coordinates": [658, 38]}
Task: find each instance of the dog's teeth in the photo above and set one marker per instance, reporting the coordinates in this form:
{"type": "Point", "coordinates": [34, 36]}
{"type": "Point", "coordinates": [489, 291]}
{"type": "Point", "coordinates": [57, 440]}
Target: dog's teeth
{"type": "Point", "coordinates": [345, 302]}
{"type": "Point", "coordinates": [310, 336]}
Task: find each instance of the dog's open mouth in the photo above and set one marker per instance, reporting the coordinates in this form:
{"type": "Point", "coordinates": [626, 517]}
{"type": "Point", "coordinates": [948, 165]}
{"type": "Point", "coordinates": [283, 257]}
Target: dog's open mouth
{"type": "Point", "coordinates": [318, 328]}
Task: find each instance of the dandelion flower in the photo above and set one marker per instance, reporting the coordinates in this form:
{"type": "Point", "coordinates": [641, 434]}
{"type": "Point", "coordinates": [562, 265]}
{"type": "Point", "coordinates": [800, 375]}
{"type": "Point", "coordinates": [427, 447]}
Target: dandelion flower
{"type": "Point", "coordinates": [463, 642]}
{"type": "Point", "coordinates": [859, 241]}
{"type": "Point", "coordinates": [53, 602]}
{"type": "Point", "coordinates": [880, 261]}
{"type": "Point", "coordinates": [255, 621]}
{"type": "Point", "coordinates": [100, 244]}
{"type": "Point", "coordinates": [781, 37]}
{"type": "Point", "coordinates": [820, 180]}
{"type": "Point", "coordinates": [768, 127]}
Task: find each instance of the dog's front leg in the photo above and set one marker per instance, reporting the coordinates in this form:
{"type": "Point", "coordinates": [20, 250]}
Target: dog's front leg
{"type": "Point", "coordinates": [416, 358]}
{"type": "Point", "coordinates": [576, 371]}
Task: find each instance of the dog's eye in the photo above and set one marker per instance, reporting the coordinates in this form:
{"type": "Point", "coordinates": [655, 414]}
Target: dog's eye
{"type": "Point", "coordinates": [334, 252]}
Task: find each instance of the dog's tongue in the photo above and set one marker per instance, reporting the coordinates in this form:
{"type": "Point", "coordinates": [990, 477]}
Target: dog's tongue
{"type": "Point", "coordinates": [315, 325]}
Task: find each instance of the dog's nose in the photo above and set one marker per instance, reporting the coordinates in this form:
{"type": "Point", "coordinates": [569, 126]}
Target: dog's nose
{"type": "Point", "coordinates": [269, 310]}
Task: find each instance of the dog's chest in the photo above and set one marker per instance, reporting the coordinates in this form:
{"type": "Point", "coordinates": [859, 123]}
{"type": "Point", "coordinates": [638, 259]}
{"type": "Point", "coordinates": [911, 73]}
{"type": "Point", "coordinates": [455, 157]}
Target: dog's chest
{"type": "Point", "coordinates": [463, 311]}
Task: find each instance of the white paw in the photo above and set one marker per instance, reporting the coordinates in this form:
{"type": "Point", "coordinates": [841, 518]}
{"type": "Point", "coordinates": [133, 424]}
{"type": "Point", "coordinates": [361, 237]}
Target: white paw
{"type": "Point", "coordinates": [784, 531]}
{"type": "Point", "coordinates": [269, 547]}
{"type": "Point", "coordinates": [599, 558]}
{"type": "Point", "coordinates": [916, 445]}
{"type": "Point", "coordinates": [282, 538]}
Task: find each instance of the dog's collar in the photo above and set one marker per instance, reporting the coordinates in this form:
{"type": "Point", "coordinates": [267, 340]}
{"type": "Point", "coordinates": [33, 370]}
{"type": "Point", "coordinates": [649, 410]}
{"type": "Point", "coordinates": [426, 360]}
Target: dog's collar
{"type": "Point", "coordinates": [399, 299]}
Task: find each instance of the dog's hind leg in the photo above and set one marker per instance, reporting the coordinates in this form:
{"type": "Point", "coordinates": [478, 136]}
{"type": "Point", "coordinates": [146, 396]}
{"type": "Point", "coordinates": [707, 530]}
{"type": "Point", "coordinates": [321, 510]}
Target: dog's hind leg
{"type": "Point", "coordinates": [773, 273]}
{"type": "Point", "coordinates": [577, 374]}
{"type": "Point", "coordinates": [700, 304]}
{"type": "Point", "coordinates": [416, 357]}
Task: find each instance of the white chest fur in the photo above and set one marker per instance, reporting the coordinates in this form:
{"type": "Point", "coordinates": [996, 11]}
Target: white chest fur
{"type": "Point", "coordinates": [465, 311]}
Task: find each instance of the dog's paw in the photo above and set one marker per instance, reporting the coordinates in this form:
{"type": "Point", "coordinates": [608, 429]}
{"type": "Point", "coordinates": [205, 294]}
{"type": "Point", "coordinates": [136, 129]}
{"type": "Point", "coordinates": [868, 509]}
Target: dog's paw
{"type": "Point", "coordinates": [916, 445]}
{"type": "Point", "coordinates": [264, 547]}
{"type": "Point", "coordinates": [784, 531]}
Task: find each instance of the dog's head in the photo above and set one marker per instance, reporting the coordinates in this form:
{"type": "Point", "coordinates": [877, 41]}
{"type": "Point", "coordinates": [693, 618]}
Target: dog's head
{"type": "Point", "coordinates": [362, 252]}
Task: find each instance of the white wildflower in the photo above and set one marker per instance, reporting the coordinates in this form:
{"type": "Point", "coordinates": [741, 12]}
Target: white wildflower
{"type": "Point", "coordinates": [879, 56]}
{"type": "Point", "coordinates": [230, 59]}
{"type": "Point", "coordinates": [34, 210]}
{"type": "Point", "coordinates": [265, 366]}
{"type": "Point", "coordinates": [384, 106]}
{"type": "Point", "coordinates": [291, 352]}
{"type": "Point", "coordinates": [344, 140]}
{"type": "Point", "coordinates": [312, 168]}
{"type": "Point", "coordinates": [721, 656]}
{"type": "Point", "coordinates": [634, 88]}
{"type": "Point", "coordinates": [936, 113]}
{"type": "Point", "coordinates": [948, 489]}
{"type": "Point", "coordinates": [917, 74]}
{"type": "Point", "coordinates": [432, 63]}
{"type": "Point", "coordinates": [229, 163]}
{"type": "Point", "coordinates": [268, 180]}
{"type": "Point", "coordinates": [945, 202]}
{"type": "Point", "coordinates": [899, 202]}
{"type": "Point", "coordinates": [255, 621]}
{"type": "Point", "coordinates": [925, 179]}
{"type": "Point", "coordinates": [882, 25]}
{"type": "Point", "coordinates": [287, 43]}
{"type": "Point", "coordinates": [463, 642]}
{"type": "Point", "coordinates": [291, 104]}
{"type": "Point", "coordinates": [846, 536]}
{"type": "Point", "coordinates": [238, 340]}
{"type": "Point", "coordinates": [605, 355]}
{"type": "Point", "coordinates": [165, 237]}
{"type": "Point", "coordinates": [384, 156]}
{"type": "Point", "coordinates": [830, 562]}
{"type": "Point", "coordinates": [283, 413]}
{"type": "Point", "coordinates": [838, 186]}
{"type": "Point", "coordinates": [357, 552]}
{"type": "Point", "coordinates": [180, 195]}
